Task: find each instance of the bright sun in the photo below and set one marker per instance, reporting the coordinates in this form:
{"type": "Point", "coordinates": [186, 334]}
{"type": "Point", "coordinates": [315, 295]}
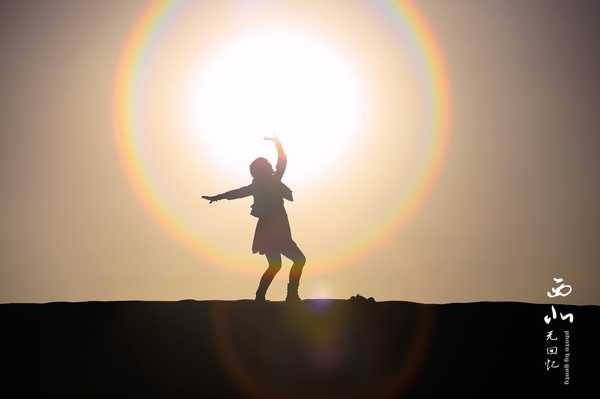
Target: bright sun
{"type": "Point", "coordinates": [280, 83]}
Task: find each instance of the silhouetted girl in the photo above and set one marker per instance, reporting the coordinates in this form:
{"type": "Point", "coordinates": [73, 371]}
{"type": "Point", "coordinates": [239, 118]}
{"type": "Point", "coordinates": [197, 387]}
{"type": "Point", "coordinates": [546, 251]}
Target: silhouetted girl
{"type": "Point", "coordinates": [272, 236]}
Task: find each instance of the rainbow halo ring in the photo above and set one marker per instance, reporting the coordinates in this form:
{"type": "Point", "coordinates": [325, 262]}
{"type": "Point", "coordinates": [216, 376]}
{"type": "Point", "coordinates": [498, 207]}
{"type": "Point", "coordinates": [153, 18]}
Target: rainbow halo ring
{"type": "Point", "coordinates": [148, 30]}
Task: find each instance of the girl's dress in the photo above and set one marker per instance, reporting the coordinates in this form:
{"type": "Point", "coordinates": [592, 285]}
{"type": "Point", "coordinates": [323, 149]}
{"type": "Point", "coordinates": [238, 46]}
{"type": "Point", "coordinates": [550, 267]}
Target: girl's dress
{"type": "Point", "coordinates": [272, 234]}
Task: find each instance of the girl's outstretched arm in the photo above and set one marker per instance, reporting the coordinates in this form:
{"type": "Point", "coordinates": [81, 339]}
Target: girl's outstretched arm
{"type": "Point", "coordinates": [241, 192]}
{"type": "Point", "coordinates": [281, 158]}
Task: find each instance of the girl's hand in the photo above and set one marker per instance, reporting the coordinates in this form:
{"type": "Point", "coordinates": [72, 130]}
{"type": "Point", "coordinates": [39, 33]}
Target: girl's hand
{"type": "Point", "coordinates": [274, 139]}
{"type": "Point", "coordinates": [211, 198]}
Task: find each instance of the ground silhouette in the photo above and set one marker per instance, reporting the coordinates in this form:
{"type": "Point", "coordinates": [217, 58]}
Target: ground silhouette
{"type": "Point", "coordinates": [313, 349]}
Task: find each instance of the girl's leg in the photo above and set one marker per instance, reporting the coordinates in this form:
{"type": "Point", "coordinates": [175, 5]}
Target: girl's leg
{"type": "Point", "coordinates": [265, 281]}
{"type": "Point", "coordinates": [295, 254]}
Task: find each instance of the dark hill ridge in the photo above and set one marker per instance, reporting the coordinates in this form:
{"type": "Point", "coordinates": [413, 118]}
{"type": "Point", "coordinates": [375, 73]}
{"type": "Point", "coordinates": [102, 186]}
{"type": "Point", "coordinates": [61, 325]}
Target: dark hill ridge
{"type": "Point", "coordinates": [315, 349]}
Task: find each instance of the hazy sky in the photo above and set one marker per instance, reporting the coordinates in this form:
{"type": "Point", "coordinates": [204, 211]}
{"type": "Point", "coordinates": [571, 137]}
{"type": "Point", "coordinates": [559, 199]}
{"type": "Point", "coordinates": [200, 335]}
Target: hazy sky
{"type": "Point", "coordinates": [515, 205]}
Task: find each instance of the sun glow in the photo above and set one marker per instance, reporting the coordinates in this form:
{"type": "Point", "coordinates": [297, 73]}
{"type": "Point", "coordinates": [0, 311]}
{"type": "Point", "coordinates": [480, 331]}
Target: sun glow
{"type": "Point", "coordinates": [276, 83]}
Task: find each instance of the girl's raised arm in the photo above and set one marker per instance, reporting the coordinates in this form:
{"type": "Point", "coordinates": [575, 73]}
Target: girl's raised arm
{"type": "Point", "coordinates": [281, 158]}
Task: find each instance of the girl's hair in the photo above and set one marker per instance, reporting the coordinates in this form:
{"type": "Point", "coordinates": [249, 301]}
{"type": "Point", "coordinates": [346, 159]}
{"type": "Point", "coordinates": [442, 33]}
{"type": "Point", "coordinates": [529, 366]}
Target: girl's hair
{"type": "Point", "coordinates": [261, 168]}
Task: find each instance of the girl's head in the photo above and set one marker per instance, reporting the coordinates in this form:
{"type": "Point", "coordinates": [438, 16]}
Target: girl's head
{"type": "Point", "coordinates": [261, 169]}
